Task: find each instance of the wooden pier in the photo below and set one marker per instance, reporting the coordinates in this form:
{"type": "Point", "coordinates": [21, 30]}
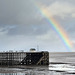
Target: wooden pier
{"type": "Point", "coordinates": [24, 58]}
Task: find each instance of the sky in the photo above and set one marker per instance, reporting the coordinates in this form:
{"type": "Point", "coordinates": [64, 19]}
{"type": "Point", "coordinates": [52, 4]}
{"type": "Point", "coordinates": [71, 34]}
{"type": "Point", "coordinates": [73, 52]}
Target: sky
{"type": "Point", "coordinates": [22, 26]}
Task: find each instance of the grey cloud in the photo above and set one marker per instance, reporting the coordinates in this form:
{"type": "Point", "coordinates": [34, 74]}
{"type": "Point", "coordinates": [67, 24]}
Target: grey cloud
{"type": "Point", "coordinates": [48, 2]}
{"type": "Point", "coordinates": [29, 30]}
{"type": "Point", "coordinates": [13, 11]}
{"type": "Point", "coordinates": [23, 15]}
{"type": "Point", "coordinates": [22, 22]}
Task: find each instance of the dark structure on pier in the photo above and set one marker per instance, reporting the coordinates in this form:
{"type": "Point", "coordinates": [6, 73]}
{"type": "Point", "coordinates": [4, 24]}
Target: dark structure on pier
{"type": "Point", "coordinates": [24, 58]}
{"type": "Point", "coordinates": [36, 58]}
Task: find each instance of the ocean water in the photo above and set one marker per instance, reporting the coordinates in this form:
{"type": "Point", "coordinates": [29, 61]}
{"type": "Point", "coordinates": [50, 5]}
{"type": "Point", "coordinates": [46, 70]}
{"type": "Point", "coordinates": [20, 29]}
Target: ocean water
{"type": "Point", "coordinates": [60, 64]}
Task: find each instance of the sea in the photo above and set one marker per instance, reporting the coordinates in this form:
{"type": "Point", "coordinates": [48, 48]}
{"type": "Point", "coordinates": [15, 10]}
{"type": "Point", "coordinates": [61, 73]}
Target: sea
{"type": "Point", "coordinates": [60, 63]}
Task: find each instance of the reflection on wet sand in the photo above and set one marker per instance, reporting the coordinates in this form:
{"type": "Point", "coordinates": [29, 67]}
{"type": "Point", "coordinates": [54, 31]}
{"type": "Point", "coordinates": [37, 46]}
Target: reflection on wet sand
{"type": "Point", "coordinates": [30, 71]}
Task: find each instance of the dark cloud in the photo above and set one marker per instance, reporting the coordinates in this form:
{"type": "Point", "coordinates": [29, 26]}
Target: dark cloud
{"type": "Point", "coordinates": [23, 15]}
{"type": "Point", "coordinates": [15, 12]}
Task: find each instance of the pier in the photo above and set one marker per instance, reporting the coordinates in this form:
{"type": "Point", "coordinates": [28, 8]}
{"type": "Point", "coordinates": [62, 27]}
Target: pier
{"type": "Point", "coordinates": [24, 58]}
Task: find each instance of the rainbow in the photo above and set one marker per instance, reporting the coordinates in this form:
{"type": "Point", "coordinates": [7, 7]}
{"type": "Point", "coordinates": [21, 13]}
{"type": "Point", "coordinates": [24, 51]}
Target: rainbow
{"type": "Point", "coordinates": [56, 26]}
